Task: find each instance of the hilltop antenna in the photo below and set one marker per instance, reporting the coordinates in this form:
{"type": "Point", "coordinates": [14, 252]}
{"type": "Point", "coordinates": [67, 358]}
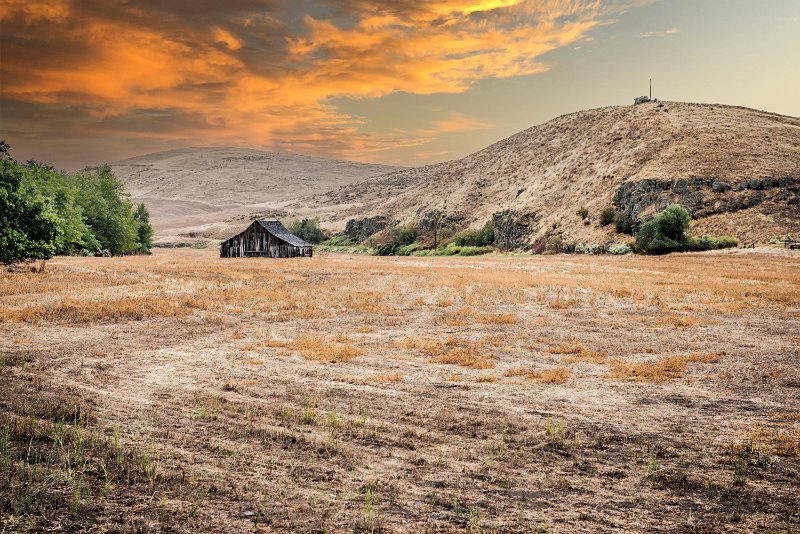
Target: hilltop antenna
{"type": "Point", "coordinates": [651, 88]}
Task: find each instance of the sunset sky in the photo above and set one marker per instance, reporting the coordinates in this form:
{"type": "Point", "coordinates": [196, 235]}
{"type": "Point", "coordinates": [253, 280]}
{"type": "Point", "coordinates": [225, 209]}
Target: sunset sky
{"type": "Point", "coordinates": [391, 81]}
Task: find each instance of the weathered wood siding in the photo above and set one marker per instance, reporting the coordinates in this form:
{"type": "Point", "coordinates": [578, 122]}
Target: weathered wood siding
{"type": "Point", "coordinates": [257, 242]}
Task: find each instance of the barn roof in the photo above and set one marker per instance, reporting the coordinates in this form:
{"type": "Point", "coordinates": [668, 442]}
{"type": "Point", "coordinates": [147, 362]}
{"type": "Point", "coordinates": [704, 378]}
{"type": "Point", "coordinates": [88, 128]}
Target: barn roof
{"type": "Point", "coordinates": [274, 227]}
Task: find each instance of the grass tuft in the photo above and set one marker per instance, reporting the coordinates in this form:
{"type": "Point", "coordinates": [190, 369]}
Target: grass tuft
{"type": "Point", "coordinates": [317, 348]}
{"type": "Point", "coordinates": [662, 370]}
{"type": "Point", "coordinates": [557, 375]}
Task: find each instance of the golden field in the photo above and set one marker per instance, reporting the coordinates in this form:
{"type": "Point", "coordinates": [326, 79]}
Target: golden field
{"type": "Point", "coordinates": [183, 392]}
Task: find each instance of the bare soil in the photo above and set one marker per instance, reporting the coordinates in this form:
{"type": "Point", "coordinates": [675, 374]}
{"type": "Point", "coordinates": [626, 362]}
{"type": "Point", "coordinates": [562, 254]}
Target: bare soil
{"type": "Point", "coordinates": [347, 393]}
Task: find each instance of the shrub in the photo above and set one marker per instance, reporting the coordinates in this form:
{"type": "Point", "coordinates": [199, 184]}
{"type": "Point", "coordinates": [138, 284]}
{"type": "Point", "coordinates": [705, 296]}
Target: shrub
{"type": "Point", "coordinates": [540, 244]}
{"type": "Point", "coordinates": [407, 250]}
{"type": "Point", "coordinates": [583, 248]}
{"type": "Point", "coordinates": [607, 215]}
{"type": "Point", "coordinates": [623, 223]}
{"type": "Point", "coordinates": [339, 241]}
{"type": "Point", "coordinates": [387, 249]}
{"type": "Point", "coordinates": [582, 212]}
{"type": "Point", "coordinates": [404, 235]}
{"type": "Point", "coordinates": [555, 244]}
{"type": "Point", "coordinates": [481, 237]}
{"type": "Point", "coordinates": [343, 243]}
{"type": "Point", "coordinates": [708, 242]}
{"type": "Point", "coordinates": [453, 249]}
{"type": "Point", "coordinates": [397, 238]}
{"type": "Point", "coordinates": [619, 249]}
{"type": "Point", "coordinates": [474, 251]}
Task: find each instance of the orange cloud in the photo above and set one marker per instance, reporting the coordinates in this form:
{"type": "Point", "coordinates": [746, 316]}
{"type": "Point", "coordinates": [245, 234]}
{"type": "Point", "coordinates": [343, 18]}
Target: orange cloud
{"type": "Point", "coordinates": [231, 84]}
{"type": "Point", "coordinates": [221, 35]}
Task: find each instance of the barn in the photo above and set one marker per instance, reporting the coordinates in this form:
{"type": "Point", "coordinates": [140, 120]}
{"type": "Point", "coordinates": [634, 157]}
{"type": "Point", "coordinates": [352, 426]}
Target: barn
{"type": "Point", "coordinates": [265, 238]}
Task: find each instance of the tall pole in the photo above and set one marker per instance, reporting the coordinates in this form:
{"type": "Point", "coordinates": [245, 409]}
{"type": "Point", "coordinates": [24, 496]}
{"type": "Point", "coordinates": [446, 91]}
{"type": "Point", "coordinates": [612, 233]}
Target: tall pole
{"type": "Point", "coordinates": [651, 88]}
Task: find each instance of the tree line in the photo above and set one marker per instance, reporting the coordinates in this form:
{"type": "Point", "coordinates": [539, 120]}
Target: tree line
{"type": "Point", "coordinates": [45, 212]}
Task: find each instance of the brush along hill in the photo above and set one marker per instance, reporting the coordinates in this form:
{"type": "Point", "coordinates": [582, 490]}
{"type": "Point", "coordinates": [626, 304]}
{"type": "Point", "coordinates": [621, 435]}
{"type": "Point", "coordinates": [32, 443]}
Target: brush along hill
{"type": "Point", "coordinates": [736, 170]}
{"type": "Point", "coordinates": [194, 193]}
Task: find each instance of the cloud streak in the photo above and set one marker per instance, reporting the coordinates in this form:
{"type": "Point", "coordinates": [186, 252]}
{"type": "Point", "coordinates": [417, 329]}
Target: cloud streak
{"type": "Point", "coordinates": [665, 33]}
{"type": "Point", "coordinates": [263, 72]}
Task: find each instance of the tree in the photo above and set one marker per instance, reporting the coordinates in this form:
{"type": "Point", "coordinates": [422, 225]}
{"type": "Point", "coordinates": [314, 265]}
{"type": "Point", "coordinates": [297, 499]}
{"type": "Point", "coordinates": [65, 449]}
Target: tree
{"type": "Point", "coordinates": [665, 232]}
{"type": "Point", "coordinates": [41, 180]}
{"type": "Point", "coordinates": [91, 209]}
{"type": "Point", "coordinates": [107, 210]}
{"type": "Point", "coordinates": [29, 230]}
{"type": "Point", "coordinates": [308, 230]}
{"type": "Point", "coordinates": [144, 231]}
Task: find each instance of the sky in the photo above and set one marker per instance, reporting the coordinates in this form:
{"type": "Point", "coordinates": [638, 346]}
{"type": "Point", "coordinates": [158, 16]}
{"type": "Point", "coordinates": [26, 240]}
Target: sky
{"type": "Point", "coordinates": [403, 82]}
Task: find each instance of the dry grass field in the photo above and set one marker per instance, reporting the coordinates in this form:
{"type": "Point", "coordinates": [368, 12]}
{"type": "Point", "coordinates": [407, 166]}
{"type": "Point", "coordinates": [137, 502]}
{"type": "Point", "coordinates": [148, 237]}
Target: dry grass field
{"type": "Point", "coordinates": [180, 392]}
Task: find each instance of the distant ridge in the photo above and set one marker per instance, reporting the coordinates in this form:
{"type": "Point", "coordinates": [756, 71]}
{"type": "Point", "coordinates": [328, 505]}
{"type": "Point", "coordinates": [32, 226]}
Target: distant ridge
{"type": "Point", "coordinates": [189, 189]}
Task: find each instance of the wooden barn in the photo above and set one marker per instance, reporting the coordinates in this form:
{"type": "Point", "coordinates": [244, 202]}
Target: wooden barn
{"type": "Point", "coordinates": [265, 238]}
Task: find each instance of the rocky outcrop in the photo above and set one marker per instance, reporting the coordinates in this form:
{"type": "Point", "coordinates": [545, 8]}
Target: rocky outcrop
{"type": "Point", "coordinates": [704, 197]}
{"type": "Point", "coordinates": [360, 229]}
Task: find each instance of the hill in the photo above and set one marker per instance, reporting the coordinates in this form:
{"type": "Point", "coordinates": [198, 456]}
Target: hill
{"type": "Point", "coordinates": [737, 170]}
{"type": "Point", "coordinates": [191, 190]}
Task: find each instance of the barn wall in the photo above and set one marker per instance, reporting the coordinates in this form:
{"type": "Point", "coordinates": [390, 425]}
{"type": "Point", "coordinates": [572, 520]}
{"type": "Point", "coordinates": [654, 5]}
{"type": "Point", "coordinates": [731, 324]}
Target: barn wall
{"type": "Point", "coordinates": [257, 242]}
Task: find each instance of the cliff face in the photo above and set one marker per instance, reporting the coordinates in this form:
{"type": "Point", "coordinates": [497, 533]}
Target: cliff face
{"type": "Point", "coordinates": [736, 170]}
{"type": "Point", "coordinates": [703, 196]}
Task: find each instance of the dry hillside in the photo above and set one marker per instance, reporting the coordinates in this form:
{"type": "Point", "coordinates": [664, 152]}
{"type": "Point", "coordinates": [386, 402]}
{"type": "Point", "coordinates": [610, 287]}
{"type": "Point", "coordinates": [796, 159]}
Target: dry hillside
{"type": "Point", "coordinates": [736, 169]}
{"type": "Point", "coordinates": [189, 189]}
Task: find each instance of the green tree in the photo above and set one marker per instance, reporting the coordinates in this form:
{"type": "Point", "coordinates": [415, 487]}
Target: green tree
{"type": "Point", "coordinates": [107, 210]}
{"type": "Point", "coordinates": [308, 230]}
{"type": "Point", "coordinates": [29, 229]}
{"type": "Point", "coordinates": [665, 232]}
{"type": "Point", "coordinates": [44, 181]}
{"type": "Point", "coordinates": [144, 231]}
